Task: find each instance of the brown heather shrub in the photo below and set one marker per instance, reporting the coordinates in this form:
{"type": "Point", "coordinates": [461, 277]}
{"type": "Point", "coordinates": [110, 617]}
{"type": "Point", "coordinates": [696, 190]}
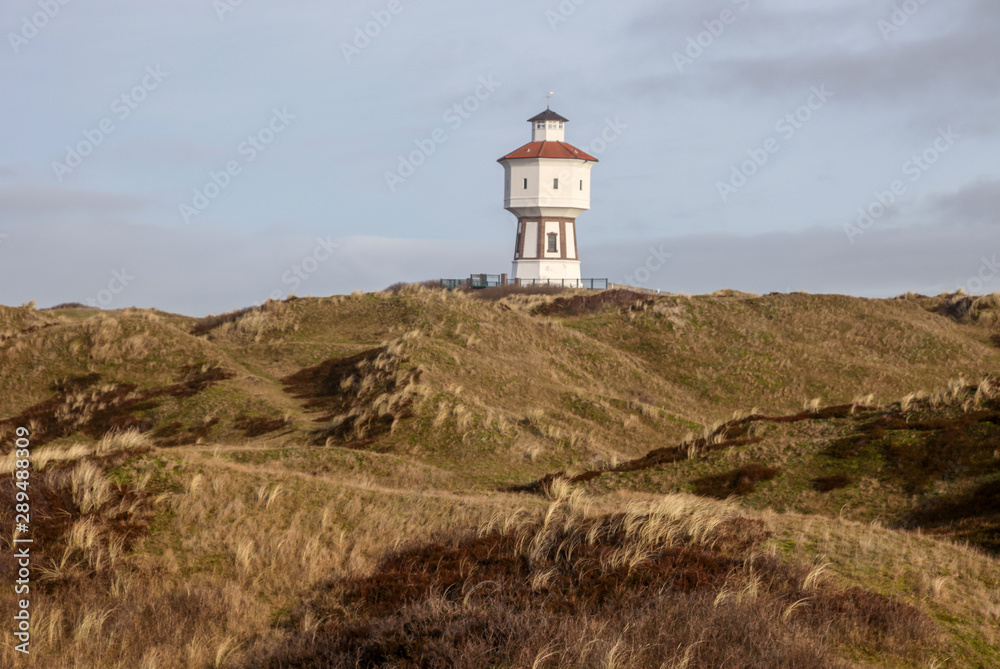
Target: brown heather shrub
{"type": "Point", "coordinates": [682, 582]}
{"type": "Point", "coordinates": [176, 434]}
{"type": "Point", "coordinates": [973, 516]}
{"type": "Point", "coordinates": [500, 292]}
{"type": "Point", "coordinates": [256, 426]}
{"type": "Point", "coordinates": [830, 483]}
{"type": "Point", "coordinates": [68, 305]}
{"type": "Point", "coordinates": [943, 445]}
{"type": "Point", "coordinates": [591, 303]}
{"type": "Point", "coordinates": [739, 432]}
{"type": "Point", "coordinates": [739, 482]}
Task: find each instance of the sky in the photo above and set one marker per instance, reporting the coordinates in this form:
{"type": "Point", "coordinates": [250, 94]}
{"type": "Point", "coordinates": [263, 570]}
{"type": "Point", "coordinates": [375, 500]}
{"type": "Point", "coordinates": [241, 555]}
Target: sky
{"type": "Point", "coordinates": [199, 156]}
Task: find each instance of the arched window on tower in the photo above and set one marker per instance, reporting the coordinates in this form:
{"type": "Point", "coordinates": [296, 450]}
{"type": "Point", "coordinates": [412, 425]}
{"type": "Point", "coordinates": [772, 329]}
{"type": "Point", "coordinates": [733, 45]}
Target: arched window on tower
{"type": "Point", "coordinates": [553, 242]}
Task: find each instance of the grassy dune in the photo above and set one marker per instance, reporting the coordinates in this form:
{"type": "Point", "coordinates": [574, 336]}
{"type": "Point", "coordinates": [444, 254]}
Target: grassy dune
{"type": "Point", "coordinates": [424, 478]}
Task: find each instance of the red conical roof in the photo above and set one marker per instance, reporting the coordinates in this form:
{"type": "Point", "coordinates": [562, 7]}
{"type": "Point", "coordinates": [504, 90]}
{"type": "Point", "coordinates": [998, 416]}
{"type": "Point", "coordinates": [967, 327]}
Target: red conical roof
{"type": "Point", "coordinates": [549, 150]}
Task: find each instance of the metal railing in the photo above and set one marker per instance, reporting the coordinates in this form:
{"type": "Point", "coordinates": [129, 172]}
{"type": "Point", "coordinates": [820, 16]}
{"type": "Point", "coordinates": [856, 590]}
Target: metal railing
{"type": "Point", "coordinates": [586, 284]}
{"type": "Point", "coordinates": [485, 281]}
{"type": "Point", "coordinates": [478, 281]}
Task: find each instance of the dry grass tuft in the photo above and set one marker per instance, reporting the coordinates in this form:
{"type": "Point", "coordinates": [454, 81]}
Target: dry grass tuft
{"type": "Point", "coordinates": [251, 324]}
{"type": "Point", "coordinates": [123, 440]}
{"type": "Point", "coordinates": [552, 589]}
{"type": "Point", "coordinates": [364, 395]}
{"type": "Point", "coordinates": [90, 488]}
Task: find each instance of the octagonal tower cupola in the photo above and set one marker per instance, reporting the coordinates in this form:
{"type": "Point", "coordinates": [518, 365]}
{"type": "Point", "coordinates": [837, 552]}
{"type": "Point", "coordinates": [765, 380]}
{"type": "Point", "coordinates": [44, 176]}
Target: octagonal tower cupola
{"type": "Point", "coordinates": [548, 127]}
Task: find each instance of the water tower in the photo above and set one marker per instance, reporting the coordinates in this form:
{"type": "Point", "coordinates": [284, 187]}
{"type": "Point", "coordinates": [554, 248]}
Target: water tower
{"type": "Point", "coordinates": [547, 186]}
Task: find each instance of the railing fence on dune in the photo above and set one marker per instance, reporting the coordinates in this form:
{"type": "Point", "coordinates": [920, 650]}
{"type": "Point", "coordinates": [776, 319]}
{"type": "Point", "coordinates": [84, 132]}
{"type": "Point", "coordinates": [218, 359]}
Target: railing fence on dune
{"type": "Point", "coordinates": [477, 281]}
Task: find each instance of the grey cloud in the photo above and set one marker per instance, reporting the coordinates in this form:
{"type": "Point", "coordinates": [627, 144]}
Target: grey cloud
{"type": "Point", "coordinates": [841, 47]}
{"type": "Point", "coordinates": [222, 272]}
{"type": "Point", "coordinates": [198, 272]}
{"type": "Point", "coordinates": [46, 200]}
{"type": "Point", "coordinates": [978, 203]}
{"type": "Point", "coordinates": [882, 263]}
{"type": "Point", "coordinates": [29, 201]}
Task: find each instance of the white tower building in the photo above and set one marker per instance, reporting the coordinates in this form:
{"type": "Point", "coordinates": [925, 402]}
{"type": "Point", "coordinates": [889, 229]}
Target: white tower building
{"type": "Point", "coordinates": [546, 186]}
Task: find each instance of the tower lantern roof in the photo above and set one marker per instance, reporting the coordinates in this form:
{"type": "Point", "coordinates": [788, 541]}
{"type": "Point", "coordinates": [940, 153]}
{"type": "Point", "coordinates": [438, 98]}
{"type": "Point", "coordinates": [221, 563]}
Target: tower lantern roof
{"type": "Point", "coordinates": [548, 135]}
{"type": "Point", "coordinates": [548, 115]}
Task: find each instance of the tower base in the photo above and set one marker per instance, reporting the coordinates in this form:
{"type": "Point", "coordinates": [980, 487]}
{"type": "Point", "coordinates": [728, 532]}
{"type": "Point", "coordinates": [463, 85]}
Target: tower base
{"type": "Point", "coordinates": [542, 271]}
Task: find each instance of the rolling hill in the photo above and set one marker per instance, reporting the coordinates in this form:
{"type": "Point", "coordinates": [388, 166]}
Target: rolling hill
{"type": "Point", "coordinates": [504, 478]}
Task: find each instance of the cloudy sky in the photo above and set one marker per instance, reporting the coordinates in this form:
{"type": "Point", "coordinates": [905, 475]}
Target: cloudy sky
{"type": "Point", "coordinates": [202, 155]}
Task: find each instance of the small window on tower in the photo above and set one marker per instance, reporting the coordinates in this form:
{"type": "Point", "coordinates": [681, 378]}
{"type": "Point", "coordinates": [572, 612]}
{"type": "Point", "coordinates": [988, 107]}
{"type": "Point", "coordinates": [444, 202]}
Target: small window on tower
{"type": "Point", "coordinates": [553, 243]}
{"type": "Point", "coordinates": [540, 126]}
{"type": "Point", "coordinates": [581, 184]}
{"type": "Point", "coordinates": [555, 184]}
{"type": "Point", "coordinates": [525, 184]}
